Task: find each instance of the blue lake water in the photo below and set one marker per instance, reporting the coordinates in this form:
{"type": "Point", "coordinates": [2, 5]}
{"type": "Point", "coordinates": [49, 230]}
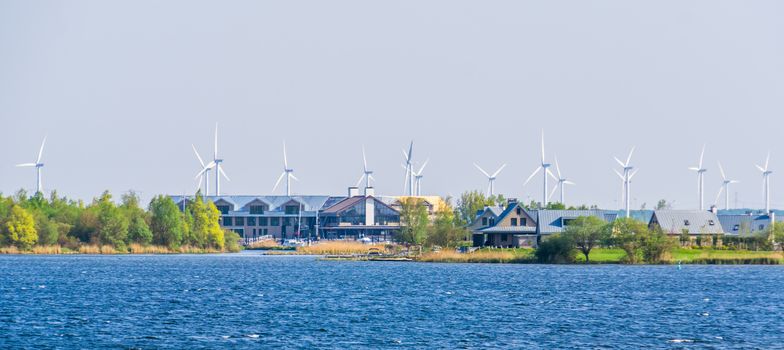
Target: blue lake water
{"type": "Point", "coordinates": [249, 300]}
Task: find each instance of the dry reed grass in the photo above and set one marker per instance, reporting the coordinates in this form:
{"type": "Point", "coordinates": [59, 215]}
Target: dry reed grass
{"type": "Point", "coordinates": [338, 248]}
{"type": "Point", "coordinates": [480, 256]}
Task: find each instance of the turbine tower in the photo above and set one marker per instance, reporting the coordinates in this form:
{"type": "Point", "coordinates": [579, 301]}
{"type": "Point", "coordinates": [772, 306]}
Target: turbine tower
{"type": "Point", "coordinates": [39, 187]}
{"type": "Point", "coordinates": [367, 174]}
{"type": "Point", "coordinates": [561, 181]}
{"type": "Point", "coordinates": [766, 182]}
{"type": "Point", "coordinates": [288, 172]}
{"type": "Point", "coordinates": [700, 179]}
{"type": "Point", "coordinates": [204, 174]}
{"type": "Point", "coordinates": [490, 178]}
{"type": "Point", "coordinates": [217, 161]}
{"type": "Point", "coordinates": [627, 177]}
{"type": "Point", "coordinates": [409, 181]}
{"type": "Point", "coordinates": [418, 178]}
{"type": "Point", "coordinates": [544, 166]}
{"type": "Point", "coordinates": [725, 187]}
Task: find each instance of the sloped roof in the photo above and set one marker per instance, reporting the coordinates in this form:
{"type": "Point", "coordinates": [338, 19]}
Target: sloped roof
{"type": "Point", "coordinates": [349, 202]}
{"type": "Point", "coordinates": [510, 208]}
{"type": "Point", "coordinates": [746, 224]}
{"type": "Point", "coordinates": [309, 203]}
{"type": "Point", "coordinates": [509, 229]}
{"type": "Point", "coordinates": [549, 221]}
{"type": "Point", "coordinates": [699, 222]}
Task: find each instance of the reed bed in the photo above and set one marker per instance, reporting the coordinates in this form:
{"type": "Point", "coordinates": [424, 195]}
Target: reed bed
{"type": "Point", "coordinates": [266, 244]}
{"type": "Point", "coordinates": [339, 248]}
{"type": "Point", "coordinates": [47, 249]}
{"type": "Point", "coordinates": [480, 256]}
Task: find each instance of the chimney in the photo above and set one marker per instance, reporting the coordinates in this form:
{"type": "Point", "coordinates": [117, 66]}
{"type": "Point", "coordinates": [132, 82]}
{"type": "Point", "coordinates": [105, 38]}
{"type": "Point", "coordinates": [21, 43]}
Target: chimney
{"type": "Point", "coordinates": [370, 207]}
{"type": "Point", "coordinates": [370, 192]}
{"type": "Point", "coordinates": [353, 191]}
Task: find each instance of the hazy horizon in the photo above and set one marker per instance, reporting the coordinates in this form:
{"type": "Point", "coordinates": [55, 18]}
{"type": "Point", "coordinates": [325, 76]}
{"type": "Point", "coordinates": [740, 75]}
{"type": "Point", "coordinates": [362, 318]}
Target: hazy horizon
{"type": "Point", "coordinates": [122, 89]}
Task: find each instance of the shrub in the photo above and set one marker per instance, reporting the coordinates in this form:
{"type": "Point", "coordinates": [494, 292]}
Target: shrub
{"type": "Point", "coordinates": [556, 249]}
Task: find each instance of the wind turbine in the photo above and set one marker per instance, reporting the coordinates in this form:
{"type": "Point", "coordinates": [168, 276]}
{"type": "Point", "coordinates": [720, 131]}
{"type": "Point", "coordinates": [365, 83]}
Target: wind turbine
{"type": "Point", "coordinates": [627, 177]}
{"type": "Point", "coordinates": [367, 174]}
{"type": "Point", "coordinates": [204, 174]}
{"type": "Point", "coordinates": [561, 181]}
{"type": "Point", "coordinates": [39, 187]}
{"type": "Point", "coordinates": [766, 182]}
{"type": "Point", "coordinates": [725, 187]}
{"type": "Point", "coordinates": [418, 178]}
{"type": "Point", "coordinates": [217, 161]}
{"type": "Point", "coordinates": [288, 172]}
{"type": "Point", "coordinates": [700, 178]}
{"type": "Point", "coordinates": [490, 178]}
{"type": "Point", "coordinates": [409, 181]}
{"type": "Point", "coordinates": [546, 172]}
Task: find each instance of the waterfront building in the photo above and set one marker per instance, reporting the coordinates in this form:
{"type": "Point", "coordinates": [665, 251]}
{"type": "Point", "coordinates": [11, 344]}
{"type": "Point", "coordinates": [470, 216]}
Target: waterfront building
{"type": "Point", "coordinates": [699, 225]}
{"type": "Point", "coordinates": [513, 226]}
{"type": "Point", "coordinates": [360, 217]}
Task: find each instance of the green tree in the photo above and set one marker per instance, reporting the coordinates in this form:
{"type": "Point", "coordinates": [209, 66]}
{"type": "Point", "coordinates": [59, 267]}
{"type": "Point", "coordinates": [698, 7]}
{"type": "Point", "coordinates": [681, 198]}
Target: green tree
{"type": "Point", "coordinates": [470, 203]}
{"type": "Point", "coordinates": [166, 222]}
{"type": "Point", "coordinates": [112, 224]}
{"type": "Point", "coordinates": [413, 220]}
{"type": "Point", "coordinates": [556, 249]}
{"type": "Point", "coordinates": [215, 235]}
{"type": "Point", "coordinates": [20, 228]}
{"type": "Point", "coordinates": [586, 233]}
{"type": "Point", "coordinates": [444, 232]}
{"type": "Point", "coordinates": [138, 227]}
{"type": "Point", "coordinates": [231, 241]}
{"type": "Point", "coordinates": [625, 233]}
{"type": "Point", "coordinates": [662, 204]}
{"type": "Point", "coordinates": [654, 244]}
{"type": "Point", "coordinates": [555, 206]}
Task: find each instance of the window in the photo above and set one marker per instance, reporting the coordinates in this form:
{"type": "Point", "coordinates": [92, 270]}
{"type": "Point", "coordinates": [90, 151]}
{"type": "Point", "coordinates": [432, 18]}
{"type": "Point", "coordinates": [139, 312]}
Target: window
{"type": "Point", "coordinates": [292, 209]}
{"type": "Point", "coordinates": [514, 221]}
{"type": "Point", "coordinates": [519, 211]}
{"type": "Point", "coordinates": [274, 221]}
{"type": "Point", "coordinates": [566, 222]}
{"type": "Point", "coordinates": [227, 221]}
{"type": "Point", "coordinates": [224, 209]}
{"type": "Point", "coordinates": [761, 227]}
{"type": "Point", "coordinates": [504, 237]}
{"type": "Point", "coordinates": [240, 231]}
{"type": "Point", "coordinates": [686, 223]}
{"type": "Point", "coordinates": [263, 221]}
{"type": "Point", "coordinates": [523, 221]}
{"type": "Point", "coordinates": [710, 222]}
{"type": "Point", "coordinates": [257, 209]}
{"type": "Point", "coordinates": [736, 227]}
{"type": "Point", "coordinates": [484, 221]}
{"type": "Point", "coordinates": [492, 221]}
{"type": "Point", "coordinates": [239, 221]}
{"type": "Point", "coordinates": [252, 221]}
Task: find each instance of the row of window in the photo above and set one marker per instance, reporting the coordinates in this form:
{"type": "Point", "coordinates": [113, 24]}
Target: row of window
{"type": "Point", "coordinates": [513, 221]}
{"type": "Point", "coordinates": [262, 221]}
{"type": "Point", "coordinates": [260, 209]}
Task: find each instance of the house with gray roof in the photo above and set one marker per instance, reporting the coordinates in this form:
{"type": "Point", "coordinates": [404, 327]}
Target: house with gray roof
{"type": "Point", "coordinates": [513, 227]}
{"type": "Point", "coordinates": [746, 224]}
{"type": "Point", "coordinates": [555, 221]}
{"type": "Point", "coordinates": [693, 222]}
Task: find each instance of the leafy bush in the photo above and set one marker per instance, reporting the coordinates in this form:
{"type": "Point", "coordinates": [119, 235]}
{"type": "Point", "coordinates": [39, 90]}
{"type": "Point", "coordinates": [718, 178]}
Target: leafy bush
{"type": "Point", "coordinates": [556, 249]}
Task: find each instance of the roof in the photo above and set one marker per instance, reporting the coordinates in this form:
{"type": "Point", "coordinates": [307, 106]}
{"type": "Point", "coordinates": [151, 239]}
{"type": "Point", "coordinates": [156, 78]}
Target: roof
{"type": "Point", "coordinates": [696, 221]}
{"type": "Point", "coordinates": [509, 229]}
{"type": "Point", "coordinates": [549, 221]}
{"type": "Point", "coordinates": [349, 202]}
{"type": "Point", "coordinates": [309, 203]}
{"type": "Point", "coordinates": [745, 224]}
{"type": "Point", "coordinates": [509, 208]}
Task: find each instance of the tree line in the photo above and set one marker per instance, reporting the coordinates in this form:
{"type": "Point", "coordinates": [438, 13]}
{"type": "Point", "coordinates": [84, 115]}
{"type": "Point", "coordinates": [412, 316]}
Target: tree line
{"type": "Point", "coordinates": [27, 221]}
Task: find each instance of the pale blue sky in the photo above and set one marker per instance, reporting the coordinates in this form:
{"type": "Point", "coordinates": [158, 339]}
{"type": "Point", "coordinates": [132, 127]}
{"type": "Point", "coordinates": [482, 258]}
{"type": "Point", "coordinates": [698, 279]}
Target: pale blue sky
{"type": "Point", "coordinates": [123, 88]}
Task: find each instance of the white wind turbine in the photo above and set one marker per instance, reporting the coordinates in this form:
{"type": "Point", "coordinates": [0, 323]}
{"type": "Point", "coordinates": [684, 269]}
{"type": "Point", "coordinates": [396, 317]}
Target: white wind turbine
{"type": "Point", "coordinates": [561, 181]}
{"type": "Point", "coordinates": [39, 187]}
{"type": "Point", "coordinates": [287, 172]}
{"type": "Point", "coordinates": [204, 174]}
{"type": "Point", "coordinates": [766, 182]}
{"type": "Point", "coordinates": [217, 162]}
{"type": "Point", "coordinates": [490, 178]}
{"type": "Point", "coordinates": [627, 178]}
{"type": "Point", "coordinates": [725, 187]}
{"type": "Point", "coordinates": [367, 174]}
{"type": "Point", "coordinates": [700, 179]}
{"type": "Point", "coordinates": [409, 181]}
{"type": "Point", "coordinates": [418, 178]}
{"type": "Point", "coordinates": [546, 172]}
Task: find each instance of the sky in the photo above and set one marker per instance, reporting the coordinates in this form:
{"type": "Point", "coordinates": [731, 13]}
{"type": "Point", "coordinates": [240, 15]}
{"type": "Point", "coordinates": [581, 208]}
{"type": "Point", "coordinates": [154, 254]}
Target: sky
{"type": "Point", "coordinates": [123, 88]}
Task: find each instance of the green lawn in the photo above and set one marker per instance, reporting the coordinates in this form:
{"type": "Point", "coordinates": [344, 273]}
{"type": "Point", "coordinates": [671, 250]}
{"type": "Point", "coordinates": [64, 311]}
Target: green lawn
{"type": "Point", "coordinates": [686, 256]}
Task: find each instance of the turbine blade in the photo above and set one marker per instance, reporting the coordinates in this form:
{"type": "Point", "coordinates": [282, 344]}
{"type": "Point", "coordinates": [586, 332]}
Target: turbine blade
{"type": "Point", "coordinates": [619, 174]}
{"type": "Point", "coordinates": [767, 159]}
{"type": "Point", "coordinates": [721, 189]}
{"type": "Point", "coordinates": [364, 158]}
{"type": "Point", "coordinates": [552, 192]}
{"type": "Point", "coordinates": [293, 177]}
{"type": "Point", "coordinates": [41, 151]}
{"type": "Point", "coordinates": [372, 178]}
{"type": "Point", "coordinates": [734, 181]}
{"type": "Point", "coordinates": [721, 170]}
{"type": "Point", "coordinates": [198, 156]}
{"type": "Point", "coordinates": [570, 183]}
{"type": "Point", "coordinates": [619, 162]}
{"type": "Point", "coordinates": [633, 173]}
{"type": "Point", "coordinates": [694, 168]}
{"type": "Point", "coordinates": [215, 155]}
{"type": "Point", "coordinates": [285, 159]}
{"type": "Point", "coordinates": [220, 169]}
{"type": "Point", "coordinates": [482, 170]}
{"type": "Point", "coordinates": [557, 168]}
{"type": "Point", "coordinates": [551, 175]}
{"type": "Point", "coordinates": [702, 155]}
{"type": "Point", "coordinates": [360, 180]}
{"type": "Point", "coordinates": [532, 175]}
{"type": "Point", "coordinates": [25, 164]}
{"type": "Point", "coordinates": [760, 168]}
{"type": "Point", "coordinates": [499, 170]}
{"type": "Point", "coordinates": [542, 146]}
{"type": "Point", "coordinates": [423, 167]}
{"type": "Point", "coordinates": [629, 158]}
{"type": "Point", "coordinates": [201, 173]}
{"type": "Point", "coordinates": [278, 182]}
{"type": "Point", "coordinates": [410, 150]}
{"type": "Point", "coordinates": [405, 155]}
